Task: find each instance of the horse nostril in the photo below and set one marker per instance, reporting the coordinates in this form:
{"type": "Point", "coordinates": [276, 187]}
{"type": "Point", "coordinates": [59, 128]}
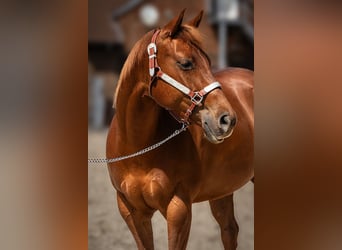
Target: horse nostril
{"type": "Point", "coordinates": [226, 121]}
{"type": "Point", "coordinates": [233, 121]}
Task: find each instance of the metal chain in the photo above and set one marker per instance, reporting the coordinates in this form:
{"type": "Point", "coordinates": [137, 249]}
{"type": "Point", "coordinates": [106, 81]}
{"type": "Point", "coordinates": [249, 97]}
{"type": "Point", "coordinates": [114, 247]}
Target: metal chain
{"type": "Point", "coordinates": [143, 151]}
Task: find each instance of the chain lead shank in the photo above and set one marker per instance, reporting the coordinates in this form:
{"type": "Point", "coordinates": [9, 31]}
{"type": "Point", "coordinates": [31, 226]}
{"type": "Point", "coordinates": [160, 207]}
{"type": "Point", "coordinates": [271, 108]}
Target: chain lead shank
{"type": "Point", "coordinates": [143, 151]}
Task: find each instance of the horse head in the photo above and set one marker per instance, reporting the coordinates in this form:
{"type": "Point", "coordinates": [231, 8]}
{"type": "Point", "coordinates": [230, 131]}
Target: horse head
{"type": "Point", "coordinates": [182, 81]}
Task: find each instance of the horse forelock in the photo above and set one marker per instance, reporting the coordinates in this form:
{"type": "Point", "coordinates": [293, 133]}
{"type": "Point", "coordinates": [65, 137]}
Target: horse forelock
{"type": "Point", "coordinates": [192, 35]}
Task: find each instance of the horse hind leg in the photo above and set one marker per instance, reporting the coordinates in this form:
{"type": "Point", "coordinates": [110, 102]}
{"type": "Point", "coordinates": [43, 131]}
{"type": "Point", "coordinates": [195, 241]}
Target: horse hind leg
{"type": "Point", "coordinates": [139, 223]}
{"type": "Point", "coordinates": [223, 211]}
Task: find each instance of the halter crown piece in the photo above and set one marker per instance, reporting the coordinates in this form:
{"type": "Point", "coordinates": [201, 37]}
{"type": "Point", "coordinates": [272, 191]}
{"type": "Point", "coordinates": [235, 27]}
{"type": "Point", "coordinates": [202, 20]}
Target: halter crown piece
{"type": "Point", "coordinates": [155, 71]}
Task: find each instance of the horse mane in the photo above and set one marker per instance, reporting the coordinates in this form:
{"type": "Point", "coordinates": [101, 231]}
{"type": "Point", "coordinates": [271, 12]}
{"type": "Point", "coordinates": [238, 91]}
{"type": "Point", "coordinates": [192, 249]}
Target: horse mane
{"type": "Point", "coordinates": [186, 33]}
{"type": "Point", "coordinates": [134, 57]}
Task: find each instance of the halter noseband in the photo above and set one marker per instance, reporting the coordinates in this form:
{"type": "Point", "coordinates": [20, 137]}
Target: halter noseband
{"type": "Point", "coordinates": [155, 71]}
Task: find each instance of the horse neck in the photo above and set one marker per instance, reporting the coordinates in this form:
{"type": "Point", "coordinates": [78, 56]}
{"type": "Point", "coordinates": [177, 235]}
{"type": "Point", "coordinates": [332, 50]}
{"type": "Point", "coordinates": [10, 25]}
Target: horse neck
{"type": "Point", "coordinates": [137, 115]}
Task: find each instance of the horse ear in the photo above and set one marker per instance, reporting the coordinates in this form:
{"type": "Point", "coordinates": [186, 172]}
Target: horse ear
{"type": "Point", "coordinates": [197, 20]}
{"type": "Point", "coordinates": [174, 25]}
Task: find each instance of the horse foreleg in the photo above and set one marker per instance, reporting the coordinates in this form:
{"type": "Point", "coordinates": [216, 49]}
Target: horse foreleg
{"type": "Point", "coordinates": [178, 217]}
{"type": "Point", "coordinates": [223, 211]}
{"type": "Point", "coordinates": [138, 222]}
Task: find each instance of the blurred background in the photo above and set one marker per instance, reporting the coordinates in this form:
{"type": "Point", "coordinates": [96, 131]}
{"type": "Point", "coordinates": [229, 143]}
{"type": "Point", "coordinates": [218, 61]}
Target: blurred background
{"type": "Point", "coordinates": [113, 29]}
{"type": "Point", "coordinates": [45, 202]}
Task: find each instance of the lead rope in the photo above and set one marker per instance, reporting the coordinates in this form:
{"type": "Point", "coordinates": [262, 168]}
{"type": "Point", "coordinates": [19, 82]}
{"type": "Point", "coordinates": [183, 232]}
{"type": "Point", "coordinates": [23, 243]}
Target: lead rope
{"type": "Point", "coordinates": [143, 151]}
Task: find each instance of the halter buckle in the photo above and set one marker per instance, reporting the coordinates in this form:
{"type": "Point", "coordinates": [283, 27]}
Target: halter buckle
{"type": "Point", "coordinates": [197, 98]}
{"type": "Point", "coordinates": [152, 46]}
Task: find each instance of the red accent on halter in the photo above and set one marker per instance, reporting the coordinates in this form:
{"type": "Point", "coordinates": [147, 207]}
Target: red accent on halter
{"type": "Point", "coordinates": [152, 53]}
{"type": "Point", "coordinates": [155, 71]}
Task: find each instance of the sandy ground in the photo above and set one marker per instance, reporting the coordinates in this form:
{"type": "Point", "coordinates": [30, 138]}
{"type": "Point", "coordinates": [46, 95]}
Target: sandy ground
{"type": "Point", "coordinates": [107, 230]}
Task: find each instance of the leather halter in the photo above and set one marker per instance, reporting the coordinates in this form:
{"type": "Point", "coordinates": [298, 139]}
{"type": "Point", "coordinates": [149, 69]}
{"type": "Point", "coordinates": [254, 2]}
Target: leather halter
{"type": "Point", "coordinates": [155, 71]}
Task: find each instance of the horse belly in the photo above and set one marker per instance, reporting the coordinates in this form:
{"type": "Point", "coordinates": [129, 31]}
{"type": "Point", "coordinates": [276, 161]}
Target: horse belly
{"type": "Point", "coordinates": [222, 180]}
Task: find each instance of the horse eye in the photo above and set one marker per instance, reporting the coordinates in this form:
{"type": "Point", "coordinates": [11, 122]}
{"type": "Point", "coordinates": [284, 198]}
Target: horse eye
{"type": "Point", "coordinates": [185, 65]}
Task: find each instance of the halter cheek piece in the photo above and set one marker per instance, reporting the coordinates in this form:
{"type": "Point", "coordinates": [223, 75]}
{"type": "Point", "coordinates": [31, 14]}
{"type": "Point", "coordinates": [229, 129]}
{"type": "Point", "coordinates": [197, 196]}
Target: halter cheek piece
{"type": "Point", "coordinates": [155, 71]}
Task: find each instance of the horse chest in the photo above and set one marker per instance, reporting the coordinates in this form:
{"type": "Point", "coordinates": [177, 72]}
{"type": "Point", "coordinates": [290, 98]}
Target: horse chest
{"type": "Point", "coordinates": [226, 168]}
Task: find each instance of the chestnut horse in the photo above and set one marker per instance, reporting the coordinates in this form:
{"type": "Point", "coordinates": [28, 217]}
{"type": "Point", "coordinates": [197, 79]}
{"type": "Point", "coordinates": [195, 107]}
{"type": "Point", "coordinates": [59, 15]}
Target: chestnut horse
{"type": "Point", "coordinates": [208, 162]}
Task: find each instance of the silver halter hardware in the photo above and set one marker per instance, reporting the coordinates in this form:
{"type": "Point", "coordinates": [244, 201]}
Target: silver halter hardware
{"type": "Point", "coordinates": [155, 71]}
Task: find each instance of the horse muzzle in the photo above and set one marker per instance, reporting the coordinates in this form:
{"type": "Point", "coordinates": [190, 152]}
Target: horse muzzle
{"type": "Point", "coordinates": [217, 127]}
